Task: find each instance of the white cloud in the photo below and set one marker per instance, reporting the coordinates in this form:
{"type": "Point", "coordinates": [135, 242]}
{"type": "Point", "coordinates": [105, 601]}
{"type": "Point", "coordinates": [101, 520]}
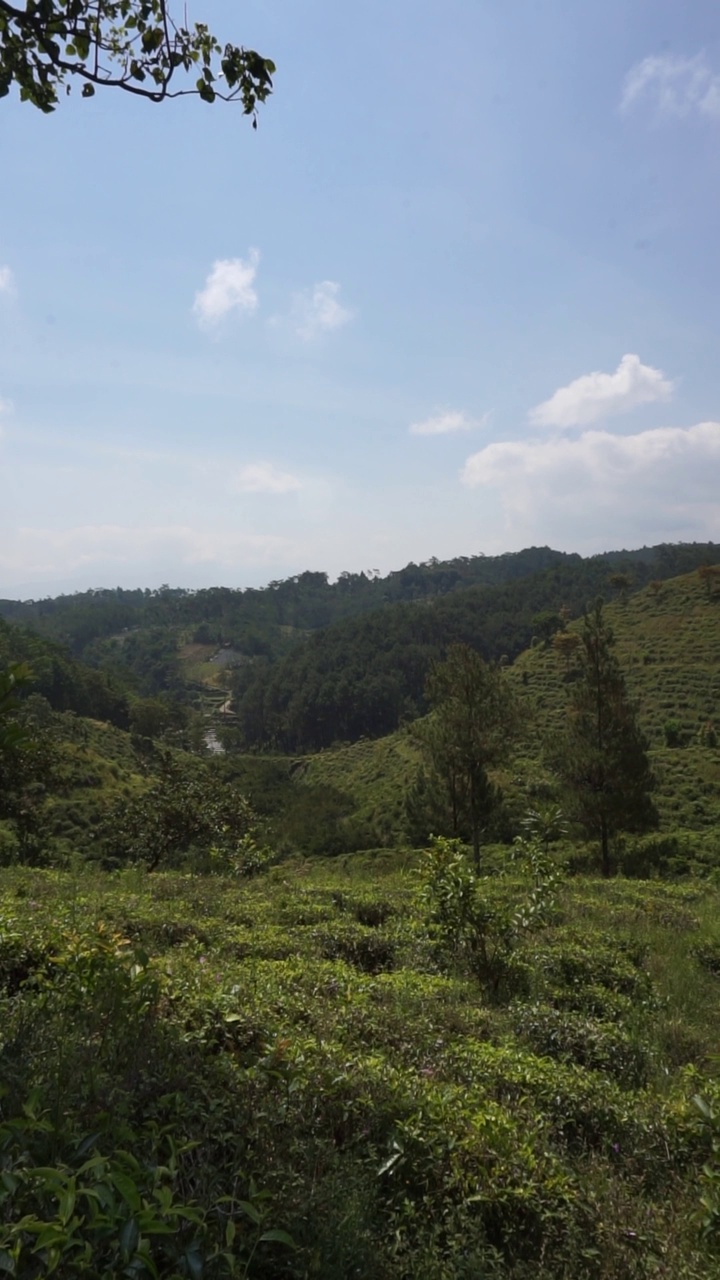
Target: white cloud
{"type": "Point", "coordinates": [657, 485]}
{"type": "Point", "coordinates": [601, 395]}
{"type": "Point", "coordinates": [264, 477]}
{"type": "Point", "coordinates": [676, 86]}
{"type": "Point", "coordinates": [444, 423]}
{"type": "Point", "coordinates": [229, 287]}
{"type": "Point", "coordinates": [318, 310]}
{"type": "Point", "coordinates": [7, 281]}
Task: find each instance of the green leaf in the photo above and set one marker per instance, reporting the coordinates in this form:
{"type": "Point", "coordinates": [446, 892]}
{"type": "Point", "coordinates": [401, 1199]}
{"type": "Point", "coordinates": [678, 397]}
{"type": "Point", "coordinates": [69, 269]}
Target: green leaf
{"type": "Point", "coordinates": [389, 1164]}
{"type": "Point", "coordinates": [129, 1237]}
{"type": "Point", "coordinates": [88, 90]}
{"type": "Point", "coordinates": [155, 1226]}
{"type": "Point", "coordinates": [278, 1237]}
{"type": "Point", "coordinates": [66, 1203]}
{"type": "Point", "coordinates": [251, 1211]}
{"type": "Point", "coordinates": [50, 1235]}
{"type": "Point", "coordinates": [194, 1262]}
{"type": "Point", "coordinates": [127, 1189]}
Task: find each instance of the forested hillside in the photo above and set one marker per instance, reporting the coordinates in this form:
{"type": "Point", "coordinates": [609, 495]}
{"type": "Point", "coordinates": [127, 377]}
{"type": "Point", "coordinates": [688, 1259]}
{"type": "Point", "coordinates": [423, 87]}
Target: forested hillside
{"type": "Point", "coordinates": [306, 602]}
{"type": "Point", "coordinates": [258, 620]}
{"type": "Point", "coordinates": [66, 684]}
{"type": "Point", "coordinates": [363, 677]}
{"type": "Point", "coordinates": [668, 643]}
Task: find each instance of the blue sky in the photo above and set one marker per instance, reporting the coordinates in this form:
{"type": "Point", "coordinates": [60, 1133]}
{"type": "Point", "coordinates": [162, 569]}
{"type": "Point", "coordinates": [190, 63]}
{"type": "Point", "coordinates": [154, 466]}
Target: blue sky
{"type": "Point", "coordinates": [459, 293]}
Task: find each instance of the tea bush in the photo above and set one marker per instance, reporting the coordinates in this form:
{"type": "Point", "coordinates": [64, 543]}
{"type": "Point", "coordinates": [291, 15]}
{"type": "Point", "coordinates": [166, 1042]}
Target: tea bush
{"type": "Point", "coordinates": [309, 1074]}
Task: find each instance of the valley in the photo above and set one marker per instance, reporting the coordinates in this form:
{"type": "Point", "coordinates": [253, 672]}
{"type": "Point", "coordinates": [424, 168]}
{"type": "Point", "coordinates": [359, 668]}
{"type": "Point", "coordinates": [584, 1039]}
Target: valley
{"type": "Point", "coordinates": [263, 1015]}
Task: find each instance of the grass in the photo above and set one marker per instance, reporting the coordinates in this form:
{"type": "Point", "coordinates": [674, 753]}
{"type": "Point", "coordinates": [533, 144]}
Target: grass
{"type": "Point", "coordinates": [198, 669]}
{"type": "Point", "coordinates": [311, 1050]}
{"type": "Point", "coordinates": [374, 775]}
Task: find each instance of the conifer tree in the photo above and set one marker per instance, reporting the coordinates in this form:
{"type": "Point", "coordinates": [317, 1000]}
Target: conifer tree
{"type": "Point", "coordinates": [471, 727]}
{"type": "Point", "coordinates": [603, 758]}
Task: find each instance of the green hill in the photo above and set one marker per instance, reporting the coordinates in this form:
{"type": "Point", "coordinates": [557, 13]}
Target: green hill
{"type": "Point", "coordinates": [375, 775]}
{"type": "Point", "coordinates": [314, 662]}
{"type": "Point", "coordinates": [373, 1064]}
{"type": "Point", "coordinates": [353, 796]}
{"type": "Point", "coordinates": [365, 676]}
{"type": "Point", "coordinates": [668, 643]}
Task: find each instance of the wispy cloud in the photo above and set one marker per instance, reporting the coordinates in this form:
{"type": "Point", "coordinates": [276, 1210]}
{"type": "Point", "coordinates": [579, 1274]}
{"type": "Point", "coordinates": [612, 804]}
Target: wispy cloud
{"type": "Point", "coordinates": [442, 424]}
{"type": "Point", "coordinates": [319, 310]}
{"type": "Point", "coordinates": [7, 281]}
{"type": "Point", "coordinates": [602, 395]}
{"type": "Point", "coordinates": [230, 286]}
{"type": "Point", "coordinates": [264, 477]}
{"type": "Point", "coordinates": [674, 85]}
{"type": "Point", "coordinates": [653, 483]}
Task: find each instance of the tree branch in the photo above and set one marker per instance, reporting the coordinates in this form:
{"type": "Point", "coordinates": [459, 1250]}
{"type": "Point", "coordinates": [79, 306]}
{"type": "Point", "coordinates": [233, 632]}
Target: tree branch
{"type": "Point", "coordinates": [140, 36]}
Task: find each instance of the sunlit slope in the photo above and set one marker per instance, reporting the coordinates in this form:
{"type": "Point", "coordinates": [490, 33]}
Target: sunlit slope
{"type": "Point", "coordinates": [375, 775]}
{"type": "Point", "coordinates": [91, 770]}
{"type": "Point", "coordinates": [668, 643]}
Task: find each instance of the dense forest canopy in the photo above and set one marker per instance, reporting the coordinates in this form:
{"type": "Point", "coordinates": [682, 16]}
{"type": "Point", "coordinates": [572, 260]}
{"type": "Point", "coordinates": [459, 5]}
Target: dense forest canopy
{"type": "Point", "coordinates": [309, 600]}
{"type": "Point", "coordinates": [323, 662]}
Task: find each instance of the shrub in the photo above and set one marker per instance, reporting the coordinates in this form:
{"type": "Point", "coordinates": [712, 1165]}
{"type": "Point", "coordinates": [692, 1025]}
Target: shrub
{"type": "Point", "coordinates": [89, 1213]}
{"type": "Point", "coordinates": [9, 845]}
{"type": "Point", "coordinates": [645, 857]}
{"type": "Point", "coordinates": [472, 931]}
{"type": "Point", "coordinates": [675, 735]}
{"type": "Point", "coordinates": [710, 1199]}
{"type": "Point", "coordinates": [363, 948]}
{"type": "Point", "coordinates": [707, 955]}
{"type": "Point", "coordinates": [575, 1037]}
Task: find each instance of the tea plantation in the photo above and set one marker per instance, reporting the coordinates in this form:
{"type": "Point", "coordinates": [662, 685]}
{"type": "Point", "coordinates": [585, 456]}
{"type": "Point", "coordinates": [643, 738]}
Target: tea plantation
{"type": "Point", "coordinates": [222, 1057]}
{"type": "Point", "coordinates": [318, 1073]}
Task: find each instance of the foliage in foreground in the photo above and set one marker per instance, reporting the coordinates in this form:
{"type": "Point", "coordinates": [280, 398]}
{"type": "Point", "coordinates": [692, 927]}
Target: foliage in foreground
{"type": "Point", "coordinates": [134, 45]}
{"type": "Point", "coordinates": [298, 1077]}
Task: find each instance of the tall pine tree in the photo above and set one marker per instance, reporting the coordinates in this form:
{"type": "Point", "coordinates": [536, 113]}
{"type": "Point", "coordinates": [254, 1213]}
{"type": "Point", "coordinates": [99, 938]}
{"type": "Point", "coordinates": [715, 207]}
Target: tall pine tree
{"type": "Point", "coordinates": [603, 759]}
{"type": "Point", "coordinates": [471, 728]}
